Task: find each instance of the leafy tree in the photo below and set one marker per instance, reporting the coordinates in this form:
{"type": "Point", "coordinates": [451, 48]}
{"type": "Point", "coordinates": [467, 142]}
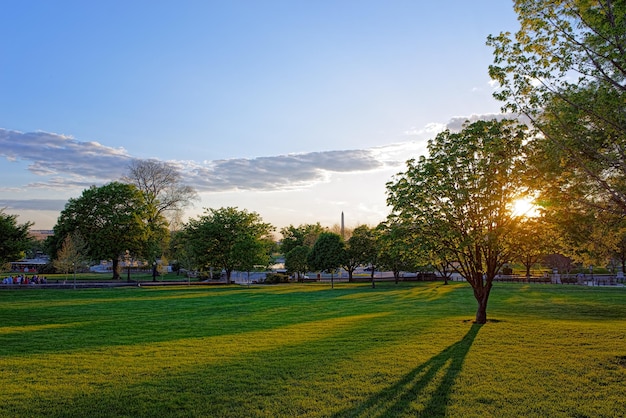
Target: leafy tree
{"type": "Point", "coordinates": [560, 262]}
{"type": "Point", "coordinates": [14, 238]}
{"type": "Point", "coordinates": [566, 70]}
{"type": "Point", "coordinates": [296, 260]}
{"type": "Point", "coordinates": [327, 254]}
{"type": "Point", "coordinates": [112, 219]}
{"type": "Point", "coordinates": [303, 235]}
{"type": "Point", "coordinates": [296, 244]}
{"type": "Point", "coordinates": [229, 239]}
{"type": "Point", "coordinates": [460, 197]}
{"type": "Point", "coordinates": [534, 239]}
{"type": "Point", "coordinates": [399, 247]}
{"type": "Point", "coordinates": [72, 253]}
{"type": "Point", "coordinates": [360, 249]}
{"type": "Point", "coordinates": [392, 251]}
{"type": "Point", "coordinates": [181, 251]}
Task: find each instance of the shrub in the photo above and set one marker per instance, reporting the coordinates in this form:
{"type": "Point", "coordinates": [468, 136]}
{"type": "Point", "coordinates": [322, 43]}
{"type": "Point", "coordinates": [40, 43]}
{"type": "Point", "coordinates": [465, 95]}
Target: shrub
{"type": "Point", "coordinates": [273, 278]}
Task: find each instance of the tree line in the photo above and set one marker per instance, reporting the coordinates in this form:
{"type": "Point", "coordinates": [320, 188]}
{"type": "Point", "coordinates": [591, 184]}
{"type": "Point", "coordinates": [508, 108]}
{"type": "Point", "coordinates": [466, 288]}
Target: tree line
{"type": "Point", "coordinates": [561, 79]}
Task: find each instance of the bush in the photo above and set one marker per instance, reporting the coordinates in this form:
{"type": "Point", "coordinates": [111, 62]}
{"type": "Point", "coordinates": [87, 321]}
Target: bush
{"type": "Point", "coordinates": [274, 278]}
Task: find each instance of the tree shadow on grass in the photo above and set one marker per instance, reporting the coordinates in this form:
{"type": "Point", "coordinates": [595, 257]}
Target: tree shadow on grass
{"type": "Point", "coordinates": [429, 385]}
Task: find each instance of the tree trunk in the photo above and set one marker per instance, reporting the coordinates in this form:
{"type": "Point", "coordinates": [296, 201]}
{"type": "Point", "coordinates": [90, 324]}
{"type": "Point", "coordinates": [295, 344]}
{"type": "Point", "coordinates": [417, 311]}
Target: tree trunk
{"type": "Point", "coordinates": [116, 264]}
{"type": "Point", "coordinates": [482, 297]}
{"type": "Point", "coordinates": [481, 312]}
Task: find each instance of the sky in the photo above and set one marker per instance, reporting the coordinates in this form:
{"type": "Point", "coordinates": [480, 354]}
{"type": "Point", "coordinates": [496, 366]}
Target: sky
{"type": "Point", "coordinates": [297, 110]}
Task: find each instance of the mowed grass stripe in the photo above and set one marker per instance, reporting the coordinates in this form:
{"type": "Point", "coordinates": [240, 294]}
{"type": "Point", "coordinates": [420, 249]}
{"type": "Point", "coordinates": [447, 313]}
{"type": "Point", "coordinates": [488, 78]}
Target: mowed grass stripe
{"type": "Point", "coordinates": [397, 350]}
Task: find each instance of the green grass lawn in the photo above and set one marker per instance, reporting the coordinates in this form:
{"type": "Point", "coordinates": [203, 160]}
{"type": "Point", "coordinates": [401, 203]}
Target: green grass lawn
{"type": "Point", "coordinates": [305, 350]}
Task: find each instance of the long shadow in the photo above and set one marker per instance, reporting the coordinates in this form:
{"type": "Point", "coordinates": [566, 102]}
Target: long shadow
{"type": "Point", "coordinates": [432, 380]}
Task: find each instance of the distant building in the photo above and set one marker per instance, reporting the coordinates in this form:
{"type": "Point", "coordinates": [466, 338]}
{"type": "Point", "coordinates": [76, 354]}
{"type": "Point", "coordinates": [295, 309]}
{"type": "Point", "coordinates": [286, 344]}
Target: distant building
{"type": "Point", "coordinates": [41, 234]}
{"type": "Point", "coordinates": [31, 266]}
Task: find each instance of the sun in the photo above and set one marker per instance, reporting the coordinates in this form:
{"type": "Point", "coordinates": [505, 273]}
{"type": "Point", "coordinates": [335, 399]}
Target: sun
{"type": "Point", "coordinates": [524, 206]}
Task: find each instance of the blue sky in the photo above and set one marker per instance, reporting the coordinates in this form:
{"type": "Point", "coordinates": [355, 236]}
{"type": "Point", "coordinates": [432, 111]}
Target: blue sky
{"type": "Point", "coordinates": [297, 110]}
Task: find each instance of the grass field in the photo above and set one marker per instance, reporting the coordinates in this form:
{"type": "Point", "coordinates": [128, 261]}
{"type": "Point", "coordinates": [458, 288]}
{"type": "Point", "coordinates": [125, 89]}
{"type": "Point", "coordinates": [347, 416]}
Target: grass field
{"type": "Point", "coordinates": [305, 350]}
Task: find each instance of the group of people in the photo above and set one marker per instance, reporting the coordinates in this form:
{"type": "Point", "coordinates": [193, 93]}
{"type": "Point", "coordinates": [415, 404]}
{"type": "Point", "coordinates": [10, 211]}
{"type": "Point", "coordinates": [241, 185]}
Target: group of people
{"type": "Point", "coordinates": [24, 279]}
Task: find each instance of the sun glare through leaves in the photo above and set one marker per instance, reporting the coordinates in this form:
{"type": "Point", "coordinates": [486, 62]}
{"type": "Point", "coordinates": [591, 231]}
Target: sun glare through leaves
{"type": "Point", "coordinates": [524, 207]}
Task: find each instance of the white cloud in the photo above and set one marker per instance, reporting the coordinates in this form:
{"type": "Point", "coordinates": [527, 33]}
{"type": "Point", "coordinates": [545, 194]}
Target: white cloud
{"type": "Point", "coordinates": [33, 204]}
{"type": "Point", "coordinates": [291, 188]}
{"type": "Point", "coordinates": [50, 154]}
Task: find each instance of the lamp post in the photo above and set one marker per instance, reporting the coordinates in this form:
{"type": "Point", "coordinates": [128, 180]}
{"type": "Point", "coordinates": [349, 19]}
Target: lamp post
{"type": "Point", "coordinates": [127, 260]}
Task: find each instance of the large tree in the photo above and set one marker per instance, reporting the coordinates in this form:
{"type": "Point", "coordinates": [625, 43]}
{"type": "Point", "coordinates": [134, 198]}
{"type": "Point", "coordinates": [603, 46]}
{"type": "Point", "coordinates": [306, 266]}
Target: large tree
{"type": "Point", "coordinates": [112, 219]}
{"type": "Point", "coordinates": [461, 196]}
{"type": "Point", "coordinates": [230, 239]}
{"type": "Point", "coordinates": [14, 238]}
{"type": "Point", "coordinates": [161, 184]}
{"type": "Point", "coordinates": [565, 69]}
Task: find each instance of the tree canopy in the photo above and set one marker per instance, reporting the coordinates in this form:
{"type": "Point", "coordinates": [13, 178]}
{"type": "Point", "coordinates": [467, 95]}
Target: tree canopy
{"type": "Point", "coordinates": [360, 249]}
{"type": "Point", "coordinates": [460, 198]}
{"type": "Point", "coordinates": [565, 69]}
{"type": "Point", "coordinates": [327, 254]}
{"type": "Point", "coordinates": [303, 235]}
{"type": "Point", "coordinates": [14, 238]}
{"type": "Point", "coordinates": [296, 260]}
{"type": "Point", "coordinates": [229, 239]}
{"type": "Point", "coordinates": [111, 219]}
{"type": "Point", "coordinates": [571, 52]}
{"type": "Point", "coordinates": [161, 183]}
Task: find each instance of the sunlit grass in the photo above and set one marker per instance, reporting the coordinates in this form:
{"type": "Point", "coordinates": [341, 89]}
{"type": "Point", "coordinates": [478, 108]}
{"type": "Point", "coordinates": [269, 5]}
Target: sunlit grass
{"type": "Point", "coordinates": [307, 350]}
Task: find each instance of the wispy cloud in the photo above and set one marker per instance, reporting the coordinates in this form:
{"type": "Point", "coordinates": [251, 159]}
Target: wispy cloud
{"type": "Point", "coordinates": [33, 204]}
{"type": "Point", "coordinates": [278, 172]}
{"type": "Point", "coordinates": [63, 162]}
{"type": "Point", "coordinates": [50, 154]}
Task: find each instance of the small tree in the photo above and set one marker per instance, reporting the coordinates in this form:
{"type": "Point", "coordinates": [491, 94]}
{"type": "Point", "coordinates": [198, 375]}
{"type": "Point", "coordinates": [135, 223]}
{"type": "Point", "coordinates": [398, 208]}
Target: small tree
{"type": "Point", "coordinates": [534, 239]}
{"type": "Point", "coordinates": [296, 261]}
{"type": "Point", "coordinates": [328, 254]}
{"type": "Point", "coordinates": [72, 254]}
{"type": "Point", "coordinates": [398, 249]}
{"type": "Point", "coordinates": [360, 249]}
